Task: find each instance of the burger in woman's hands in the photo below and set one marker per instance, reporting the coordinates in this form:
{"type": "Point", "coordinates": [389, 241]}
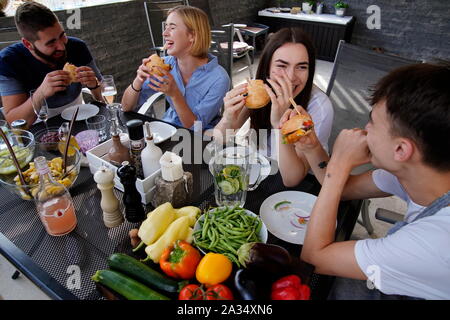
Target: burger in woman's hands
{"type": "Point", "coordinates": [257, 96]}
{"type": "Point", "coordinates": [155, 63]}
{"type": "Point", "coordinates": [295, 128]}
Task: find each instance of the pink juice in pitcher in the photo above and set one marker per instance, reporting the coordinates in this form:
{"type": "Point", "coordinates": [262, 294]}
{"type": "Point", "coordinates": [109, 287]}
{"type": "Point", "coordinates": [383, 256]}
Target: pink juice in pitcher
{"type": "Point", "coordinates": [58, 216]}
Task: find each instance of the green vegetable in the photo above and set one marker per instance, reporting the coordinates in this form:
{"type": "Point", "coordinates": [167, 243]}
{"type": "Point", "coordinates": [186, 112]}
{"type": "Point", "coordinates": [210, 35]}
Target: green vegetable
{"type": "Point", "coordinates": [279, 204]}
{"type": "Point", "coordinates": [141, 272]}
{"type": "Point", "coordinates": [125, 286]}
{"type": "Point", "coordinates": [224, 230]}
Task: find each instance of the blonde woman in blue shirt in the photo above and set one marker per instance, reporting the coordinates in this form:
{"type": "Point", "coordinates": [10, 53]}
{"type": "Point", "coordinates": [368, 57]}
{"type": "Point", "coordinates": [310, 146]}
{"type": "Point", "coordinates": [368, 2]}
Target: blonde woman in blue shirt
{"type": "Point", "coordinates": [196, 84]}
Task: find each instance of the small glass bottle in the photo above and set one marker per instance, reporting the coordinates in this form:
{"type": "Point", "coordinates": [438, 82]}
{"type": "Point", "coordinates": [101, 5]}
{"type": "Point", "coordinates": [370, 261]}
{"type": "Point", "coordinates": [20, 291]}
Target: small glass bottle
{"type": "Point", "coordinates": [137, 144]}
{"type": "Point", "coordinates": [53, 202]}
{"type": "Point", "coordinates": [118, 153]}
{"type": "Point", "coordinates": [134, 210]}
{"type": "Point", "coordinates": [150, 155]}
{"type": "Point", "coordinates": [63, 134]}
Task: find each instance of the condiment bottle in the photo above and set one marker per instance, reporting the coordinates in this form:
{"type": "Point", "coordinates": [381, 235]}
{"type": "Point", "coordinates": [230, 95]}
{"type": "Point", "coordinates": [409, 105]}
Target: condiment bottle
{"type": "Point", "coordinates": [151, 154]}
{"type": "Point", "coordinates": [118, 153]}
{"type": "Point", "coordinates": [53, 201]}
{"type": "Point", "coordinates": [134, 211]}
{"type": "Point", "coordinates": [63, 133]}
{"type": "Point", "coordinates": [112, 216]}
{"type": "Point", "coordinates": [137, 144]}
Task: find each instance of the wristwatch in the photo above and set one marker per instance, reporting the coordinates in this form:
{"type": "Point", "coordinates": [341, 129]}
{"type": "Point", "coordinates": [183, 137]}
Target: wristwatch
{"type": "Point", "coordinates": [96, 86]}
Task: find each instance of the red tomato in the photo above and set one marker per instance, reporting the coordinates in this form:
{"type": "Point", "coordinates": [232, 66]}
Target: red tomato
{"type": "Point", "coordinates": [219, 292]}
{"type": "Point", "coordinates": [191, 292]}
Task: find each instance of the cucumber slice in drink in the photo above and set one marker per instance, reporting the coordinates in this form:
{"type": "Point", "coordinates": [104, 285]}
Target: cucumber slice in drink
{"type": "Point", "coordinates": [235, 183]}
{"type": "Point", "coordinates": [226, 187]}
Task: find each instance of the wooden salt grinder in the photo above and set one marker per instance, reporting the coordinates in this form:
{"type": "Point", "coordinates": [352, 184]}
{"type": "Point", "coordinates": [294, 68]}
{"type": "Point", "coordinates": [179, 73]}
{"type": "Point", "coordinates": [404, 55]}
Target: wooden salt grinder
{"type": "Point", "coordinates": [112, 216]}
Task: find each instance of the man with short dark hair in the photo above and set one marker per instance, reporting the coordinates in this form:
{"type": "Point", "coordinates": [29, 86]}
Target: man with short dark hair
{"type": "Point", "coordinates": [407, 138]}
{"type": "Point", "coordinates": [36, 63]}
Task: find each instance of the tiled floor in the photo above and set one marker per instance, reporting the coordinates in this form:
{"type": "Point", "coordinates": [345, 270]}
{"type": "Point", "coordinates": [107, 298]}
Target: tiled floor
{"type": "Point", "coordinates": [23, 289]}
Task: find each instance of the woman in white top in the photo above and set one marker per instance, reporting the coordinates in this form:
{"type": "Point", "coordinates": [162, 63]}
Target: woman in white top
{"type": "Point", "coordinates": [287, 64]}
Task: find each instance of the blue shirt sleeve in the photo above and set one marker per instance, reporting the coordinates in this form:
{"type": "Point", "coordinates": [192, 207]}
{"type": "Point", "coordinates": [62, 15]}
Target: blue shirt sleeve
{"type": "Point", "coordinates": [10, 86]}
{"type": "Point", "coordinates": [209, 107]}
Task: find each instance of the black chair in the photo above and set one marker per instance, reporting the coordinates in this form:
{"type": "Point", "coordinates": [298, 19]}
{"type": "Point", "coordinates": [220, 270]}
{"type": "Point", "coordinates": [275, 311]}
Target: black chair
{"type": "Point", "coordinates": [224, 53]}
{"type": "Point", "coordinates": [156, 13]}
{"type": "Point", "coordinates": [356, 70]}
{"type": "Point", "coordinates": [252, 31]}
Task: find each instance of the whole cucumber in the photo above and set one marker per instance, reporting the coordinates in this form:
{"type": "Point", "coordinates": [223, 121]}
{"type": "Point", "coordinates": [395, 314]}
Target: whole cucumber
{"type": "Point", "coordinates": [141, 272]}
{"type": "Point", "coordinates": [127, 287]}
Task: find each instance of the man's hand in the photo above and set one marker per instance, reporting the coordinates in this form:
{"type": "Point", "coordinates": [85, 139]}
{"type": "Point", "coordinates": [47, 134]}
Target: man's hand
{"type": "Point", "coordinates": [86, 76]}
{"type": "Point", "coordinates": [351, 148]}
{"type": "Point", "coordinates": [54, 82]}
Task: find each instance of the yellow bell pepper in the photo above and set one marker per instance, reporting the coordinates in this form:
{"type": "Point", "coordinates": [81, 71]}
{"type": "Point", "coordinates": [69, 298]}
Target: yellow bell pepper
{"type": "Point", "coordinates": [178, 230]}
{"type": "Point", "coordinates": [156, 223]}
{"type": "Point", "coordinates": [214, 268]}
{"type": "Point", "coordinates": [189, 211]}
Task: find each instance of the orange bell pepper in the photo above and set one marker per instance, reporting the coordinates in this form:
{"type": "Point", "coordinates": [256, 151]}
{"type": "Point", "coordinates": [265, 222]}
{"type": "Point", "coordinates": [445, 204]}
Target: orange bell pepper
{"type": "Point", "coordinates": [180, 260]}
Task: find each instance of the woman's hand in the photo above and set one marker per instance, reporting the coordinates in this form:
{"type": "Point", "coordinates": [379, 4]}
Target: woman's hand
{"type": "Point", "coordinates": [165, 84]}
{"type": "Point", "coordinates": [142, 74]}
{"type": "Point", "coordinates": [234, 101]}
{"type": "Point", "coordinates": [307, 142]}
{"type": "Point", "coordinates": [279, 94]}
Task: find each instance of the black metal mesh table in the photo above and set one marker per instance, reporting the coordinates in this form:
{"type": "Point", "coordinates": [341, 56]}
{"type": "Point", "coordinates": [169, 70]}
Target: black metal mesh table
{"type": "Point", "coordinates": [53, 263]}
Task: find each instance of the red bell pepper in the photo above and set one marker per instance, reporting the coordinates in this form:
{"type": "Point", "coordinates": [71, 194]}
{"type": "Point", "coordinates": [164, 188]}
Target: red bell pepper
{"type": "Point", "coordinates": [290, 288]}
{"type": "Point", "coordinates": [180, 260]}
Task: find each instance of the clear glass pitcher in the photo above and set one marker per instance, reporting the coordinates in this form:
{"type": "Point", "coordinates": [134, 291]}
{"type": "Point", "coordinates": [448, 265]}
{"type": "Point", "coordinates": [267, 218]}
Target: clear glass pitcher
{"type": "Point", "coordinates": [231, 166]}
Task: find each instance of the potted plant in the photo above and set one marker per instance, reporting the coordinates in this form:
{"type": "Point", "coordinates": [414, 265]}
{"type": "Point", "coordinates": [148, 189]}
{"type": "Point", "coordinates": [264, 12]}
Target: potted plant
{"type": "Point", "coordinates": [340, 7]}
{"type": "Point", "coordinates": [308, 6]}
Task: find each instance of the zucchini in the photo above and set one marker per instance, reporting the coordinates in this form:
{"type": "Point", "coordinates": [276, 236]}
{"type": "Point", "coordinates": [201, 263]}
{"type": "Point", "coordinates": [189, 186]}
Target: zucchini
{"type": "Point", "coordinates": [141, 272]}
{"type": "Point", "coordinates": [127, 287]}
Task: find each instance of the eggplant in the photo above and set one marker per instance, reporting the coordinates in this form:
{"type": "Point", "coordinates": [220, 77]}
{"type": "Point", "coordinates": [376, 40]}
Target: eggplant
{"type": "Point", "coordinates": [249, 287]}
{"type": "Point", "coordinates": [264, 258]}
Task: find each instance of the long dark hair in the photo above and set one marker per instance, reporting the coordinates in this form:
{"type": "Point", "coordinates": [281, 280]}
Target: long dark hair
{"type": "Point", "coordinates": [260, 118]}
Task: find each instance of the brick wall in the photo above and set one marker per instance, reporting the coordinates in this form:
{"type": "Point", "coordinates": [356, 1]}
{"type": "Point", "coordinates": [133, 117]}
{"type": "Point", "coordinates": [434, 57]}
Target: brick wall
{"type": "Point", "coordinates": [409, 28]}
{"type": "Point", "coordinates": [118, 36]}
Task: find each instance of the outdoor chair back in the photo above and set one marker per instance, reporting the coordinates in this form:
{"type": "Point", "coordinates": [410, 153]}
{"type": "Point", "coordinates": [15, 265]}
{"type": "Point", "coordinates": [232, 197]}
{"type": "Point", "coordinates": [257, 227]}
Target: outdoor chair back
{"type": "Point", "coordinates": [156, 13]}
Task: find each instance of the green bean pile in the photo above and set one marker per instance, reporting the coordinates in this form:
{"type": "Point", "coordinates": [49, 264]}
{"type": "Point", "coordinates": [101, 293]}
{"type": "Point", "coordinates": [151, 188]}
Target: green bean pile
{"type": "Point", "coordinates": [223, 230]}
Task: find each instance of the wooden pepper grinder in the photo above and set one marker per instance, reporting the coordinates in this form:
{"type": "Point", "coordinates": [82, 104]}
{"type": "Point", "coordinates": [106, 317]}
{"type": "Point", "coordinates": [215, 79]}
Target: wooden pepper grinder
{"type": "Point", "coordinates": [112, 216]}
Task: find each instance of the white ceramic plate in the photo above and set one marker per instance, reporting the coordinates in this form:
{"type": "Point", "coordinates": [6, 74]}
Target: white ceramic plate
{"type": "Point", "coordinates": [86, 111]}
{"type": "Point", "coordinates": [288, 222]}
{"type": "Point", "coordinates": [262, 233]}
{"type": "Point", "coordinates": [161, 131]}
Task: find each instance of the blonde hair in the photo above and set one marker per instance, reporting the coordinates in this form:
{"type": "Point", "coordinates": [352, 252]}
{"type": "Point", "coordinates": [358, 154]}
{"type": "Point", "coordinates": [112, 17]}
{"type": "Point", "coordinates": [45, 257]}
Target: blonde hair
{"type": "Point", "coordinates": [197, 23]}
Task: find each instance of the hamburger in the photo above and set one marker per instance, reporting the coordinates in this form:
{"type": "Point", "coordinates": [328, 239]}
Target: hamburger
{"type": "Point", "coordinates": [257, 96]}
{"type": "Point", "coordinates": [154, 63]}
{"type": "Point", "coordinates": [298, 126]}
{"type": "Point", "coordinates": [71, 69]}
